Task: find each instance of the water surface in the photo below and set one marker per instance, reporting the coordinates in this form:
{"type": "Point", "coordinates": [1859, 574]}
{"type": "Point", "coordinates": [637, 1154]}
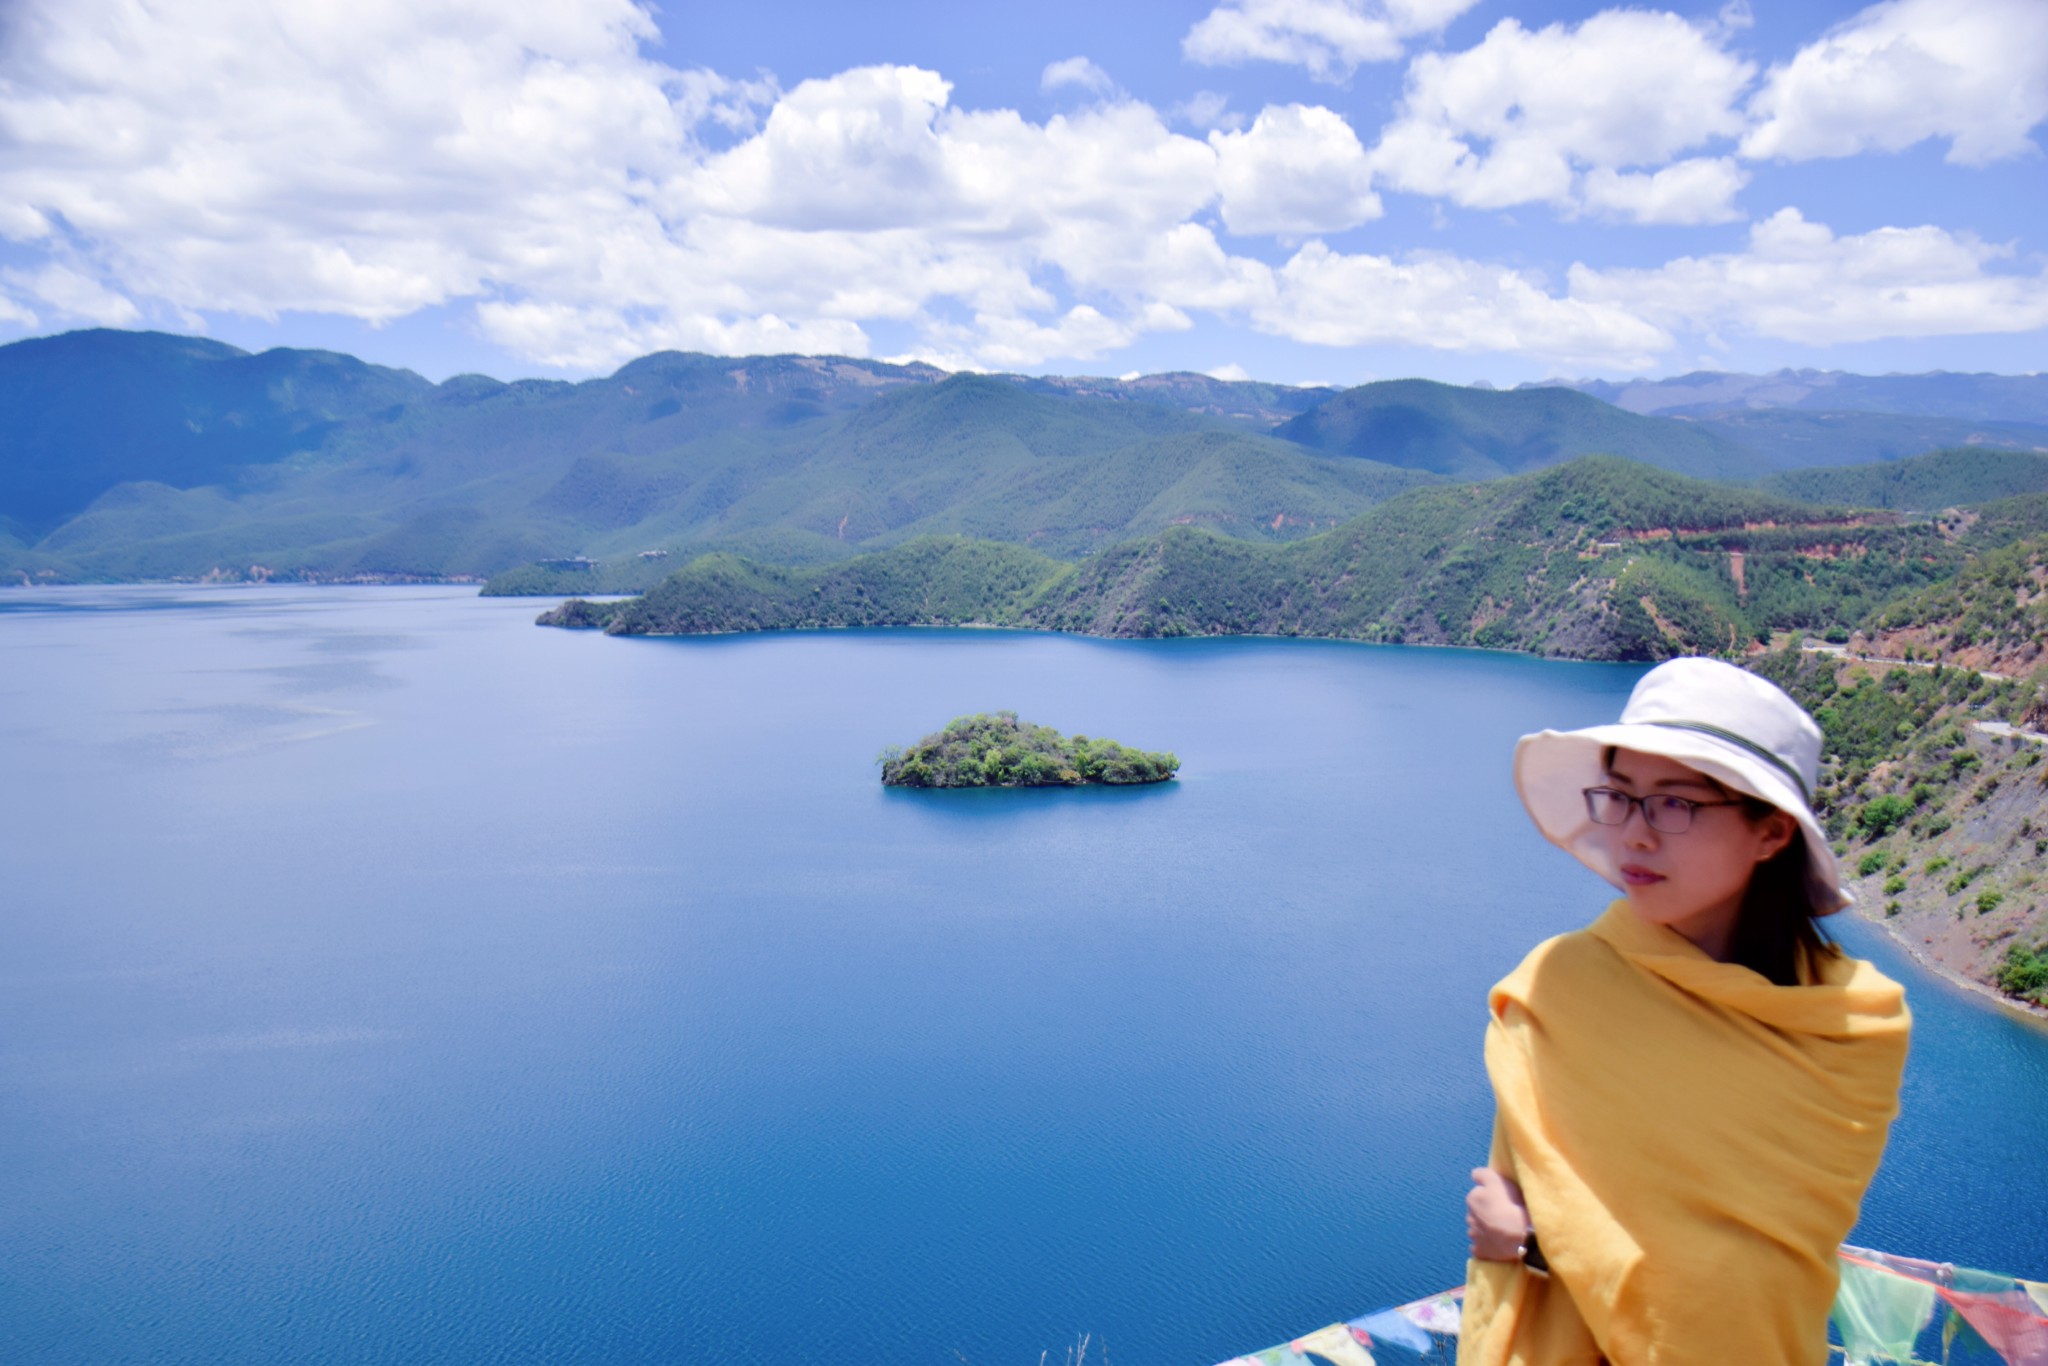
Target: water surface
{"type": "Point", "coordinates": [383, 979]}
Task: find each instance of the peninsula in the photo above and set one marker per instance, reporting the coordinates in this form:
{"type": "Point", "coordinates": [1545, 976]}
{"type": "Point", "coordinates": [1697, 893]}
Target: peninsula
{"type": "Point", "coordinates": [1000, 751]}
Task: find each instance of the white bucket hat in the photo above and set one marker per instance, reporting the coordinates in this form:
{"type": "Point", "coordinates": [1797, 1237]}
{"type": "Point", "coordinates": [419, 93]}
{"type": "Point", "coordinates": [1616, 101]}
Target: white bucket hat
{"type": "Point", "coordinates": [1738, 729]}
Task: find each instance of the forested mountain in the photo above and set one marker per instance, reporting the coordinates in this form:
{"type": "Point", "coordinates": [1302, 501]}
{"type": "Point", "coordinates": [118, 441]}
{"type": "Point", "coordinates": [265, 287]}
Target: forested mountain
{"type": "Point", "coordinates": [141, 455]}
{"type": "Point", "coordinates": [1597, 559]}
{"type": "Point", "coordinates": [791, 459]}
{"type": "Point", "coordinates": [1789, 440]}
{"type": "Point", "coordinates": [1248, 403]}
{"type": "Point", "coordinates": [1922, 483]}
{"type": "Point", "coordinates": [1797, 418]}
{"type": "Point", "coordinates": [1992, 616]}
{"type": "Point", "coordinates": [1703, 393]}
{"type": "Point", "coordinates": [1483, 434]}
{"type": "Point", "coordinates": [86, 411]}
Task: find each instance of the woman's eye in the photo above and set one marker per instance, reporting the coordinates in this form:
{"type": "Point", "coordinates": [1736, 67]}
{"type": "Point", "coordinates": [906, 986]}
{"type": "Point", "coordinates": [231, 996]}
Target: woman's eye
{"type": "Point", "coordinates": [1669, 805]}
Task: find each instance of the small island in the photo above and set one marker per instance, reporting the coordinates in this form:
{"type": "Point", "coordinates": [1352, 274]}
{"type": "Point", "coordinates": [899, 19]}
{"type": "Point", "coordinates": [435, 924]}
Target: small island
{"type": "Point", "coordinates": [1001, 751]}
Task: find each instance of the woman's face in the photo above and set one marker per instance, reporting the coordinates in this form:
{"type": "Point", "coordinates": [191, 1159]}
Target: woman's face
{"type": "Point", "coordinates": [1691, 882]}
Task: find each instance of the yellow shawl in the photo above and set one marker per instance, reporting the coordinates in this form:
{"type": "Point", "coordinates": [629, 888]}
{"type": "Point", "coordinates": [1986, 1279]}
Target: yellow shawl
{"type": "Point", "coordinates": [1693, 1143]}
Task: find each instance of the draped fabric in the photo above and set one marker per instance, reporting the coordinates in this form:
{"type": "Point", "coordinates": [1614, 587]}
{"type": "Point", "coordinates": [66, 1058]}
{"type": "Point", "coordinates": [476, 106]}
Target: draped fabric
{"type": "Point", "coordinates": [1693, 1143]}
{"type": "Point", "coordinates": [1889, 1311]}
{"type": "Point", "coordinates": [1880, 1316]}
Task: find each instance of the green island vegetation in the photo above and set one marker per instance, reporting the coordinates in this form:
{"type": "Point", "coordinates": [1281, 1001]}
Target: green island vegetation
{"type": "Point", "coordinates": [998, 750]}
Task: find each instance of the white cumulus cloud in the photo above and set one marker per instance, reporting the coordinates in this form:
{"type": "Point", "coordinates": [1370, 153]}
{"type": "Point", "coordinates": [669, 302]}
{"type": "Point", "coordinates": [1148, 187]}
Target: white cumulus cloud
{"type": "Point", "coordinates": [1524, 115]}
{"type": "Point", "coordinates": [580, 203]}
{"type": "Point", "coordinates": [1330, 38]}
{"type": "Point", "coordinates": [1451, 304]}
{"type": "Point", "coordinates": [359, 158]}
{"type": "Point", "coordinates": [1296, 171]}
{"type": "Point", "coordinates": [1077, 71]}
{"type": "Point", "coordinates": [1800, 282]}
{"type": "Point", "coordinates": [74, 295]}
{"type": "Point", "coordinates": [1972, 71]}
{"type": "Point", "coordinates": [1697, 190]}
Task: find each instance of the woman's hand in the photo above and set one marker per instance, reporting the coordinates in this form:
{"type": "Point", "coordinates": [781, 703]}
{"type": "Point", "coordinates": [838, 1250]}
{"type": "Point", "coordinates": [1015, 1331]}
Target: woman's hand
{"type": "Point", "coordinates": [1496, 1220]}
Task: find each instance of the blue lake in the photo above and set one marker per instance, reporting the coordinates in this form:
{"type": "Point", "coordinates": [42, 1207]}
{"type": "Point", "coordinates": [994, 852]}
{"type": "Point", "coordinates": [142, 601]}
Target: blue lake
{"type": "Point", "coordinates": [383, 979]}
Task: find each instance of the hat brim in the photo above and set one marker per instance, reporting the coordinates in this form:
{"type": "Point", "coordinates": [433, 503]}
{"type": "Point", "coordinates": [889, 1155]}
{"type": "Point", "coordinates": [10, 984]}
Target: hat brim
{"type": "Point", "coordinates": [1554, 768]}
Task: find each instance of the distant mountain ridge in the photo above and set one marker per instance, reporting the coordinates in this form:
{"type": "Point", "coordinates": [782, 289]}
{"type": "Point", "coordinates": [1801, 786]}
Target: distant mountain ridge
{"type": "Point", "coordinates": [1799, 418]}
{"type": "Point", "coordinates": [1484, 434]}
{"type": "Point", "coordinates": [85, 411]}
{"type": "Point", "coordinates": [789, 458]}
{"type": "Point", "coordinates": [127, 455]}
{"type": "Point", "coordinates": [1703, 393]}
{"type": "Point", "coordinates": [1922, 483]}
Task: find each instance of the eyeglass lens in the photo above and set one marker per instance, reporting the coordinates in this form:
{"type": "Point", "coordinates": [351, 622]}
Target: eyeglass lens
{"type": "Point", "coordinates": [1672, 815]}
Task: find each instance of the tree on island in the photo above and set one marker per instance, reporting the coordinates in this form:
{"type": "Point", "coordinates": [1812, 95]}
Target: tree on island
{"type": "Point", "coordinates": [1000, 751]}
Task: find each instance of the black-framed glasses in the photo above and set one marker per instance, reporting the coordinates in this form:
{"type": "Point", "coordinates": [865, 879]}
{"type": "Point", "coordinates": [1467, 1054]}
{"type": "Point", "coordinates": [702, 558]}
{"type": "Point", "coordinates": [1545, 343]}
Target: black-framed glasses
{"type": "Point", "coordinates": [1661, 810]}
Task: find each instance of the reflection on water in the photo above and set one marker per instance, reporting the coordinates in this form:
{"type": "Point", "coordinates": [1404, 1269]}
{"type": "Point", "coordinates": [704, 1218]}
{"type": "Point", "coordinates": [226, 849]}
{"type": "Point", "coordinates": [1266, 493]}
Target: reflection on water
{"type": "Point", "coordinates": [226, 729]}
{"type": "Point", "coordinates": [385, 979]}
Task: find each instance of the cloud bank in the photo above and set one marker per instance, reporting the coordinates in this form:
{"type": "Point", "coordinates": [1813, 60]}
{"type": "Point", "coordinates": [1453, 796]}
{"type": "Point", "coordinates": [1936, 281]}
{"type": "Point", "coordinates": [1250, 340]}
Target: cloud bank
{"type": "Point", "coordinates": [587, 204]}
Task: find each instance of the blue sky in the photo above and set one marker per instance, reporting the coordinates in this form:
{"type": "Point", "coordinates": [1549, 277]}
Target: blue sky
{"type": "Point", "coordinates": [1295, 190]}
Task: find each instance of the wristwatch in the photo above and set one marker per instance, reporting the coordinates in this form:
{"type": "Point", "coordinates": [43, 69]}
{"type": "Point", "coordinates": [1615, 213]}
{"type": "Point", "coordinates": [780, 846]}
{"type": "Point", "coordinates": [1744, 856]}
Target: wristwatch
{"type": "Point", "coordinates": [1531, 1254]}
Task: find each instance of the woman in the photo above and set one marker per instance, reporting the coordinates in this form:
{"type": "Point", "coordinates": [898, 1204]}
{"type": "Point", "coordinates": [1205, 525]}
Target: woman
{"type": "Point", "coordinates": [1691, 1093]}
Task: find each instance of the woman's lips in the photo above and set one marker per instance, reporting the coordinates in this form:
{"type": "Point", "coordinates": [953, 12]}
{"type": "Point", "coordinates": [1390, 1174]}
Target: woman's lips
{"type": "Point", "coordinates": [1639, 877]}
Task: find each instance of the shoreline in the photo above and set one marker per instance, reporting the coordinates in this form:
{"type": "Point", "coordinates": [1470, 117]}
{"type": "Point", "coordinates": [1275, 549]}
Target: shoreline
{"type": "Point", "coordinates": [2011, 1004]}
{"type": "Point", "coordinates": [278, 581]}
{"type": "Point", "coordinates": [1091, 635]}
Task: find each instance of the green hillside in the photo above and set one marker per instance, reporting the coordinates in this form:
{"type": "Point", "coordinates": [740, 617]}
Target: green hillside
{"type": "Point", "coordinates": [1481, 434]}
{"type": "Point", "coordinates": [1250, 404]}
{"type": "Point", "coordinates": [85, 411]}
{"type": "Point", "coordinates": [1598, 559]}
{"type": "Point", "coordinates": [932, 581]}
{"type": "Point", "coordinates": [1923, 483]}
{"type": "Point", "coordinates": [139, 456]}
{"type": "Point", "coordinates": [1943, 394]}
{"type": "Point", "coordinates": [1789, 439]}
{"type": "Point", "coordinates": [789, 459]}
{"type": "Point", "coordinates": [1992, 616]}
{"type": "Point", "coordinates": [1932, 785]}
{"type": "Point", "coordinates": [980, 456]}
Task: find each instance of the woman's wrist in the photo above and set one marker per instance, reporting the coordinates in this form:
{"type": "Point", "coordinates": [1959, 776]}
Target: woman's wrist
{"type": "Point", "coordinates": [1496, 1219]}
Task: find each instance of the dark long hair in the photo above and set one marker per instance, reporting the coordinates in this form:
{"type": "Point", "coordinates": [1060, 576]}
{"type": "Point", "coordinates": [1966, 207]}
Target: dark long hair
{"type": "Point", "coordinates": [1777, 931]}
{"type": "Point", "coordinates": [1777, 934]}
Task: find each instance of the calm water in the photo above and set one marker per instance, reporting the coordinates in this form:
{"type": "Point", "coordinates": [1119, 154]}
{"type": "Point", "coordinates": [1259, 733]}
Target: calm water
{"type": "Point", "coordinates": [383, 979]}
